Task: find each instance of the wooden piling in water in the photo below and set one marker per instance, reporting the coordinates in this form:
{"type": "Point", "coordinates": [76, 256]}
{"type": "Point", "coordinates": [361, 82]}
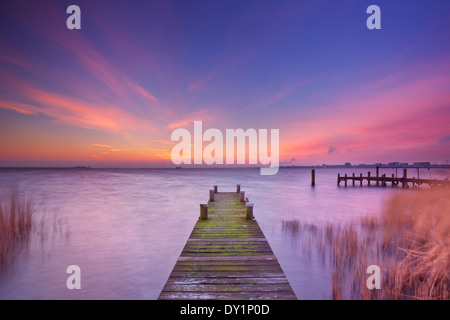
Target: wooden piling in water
{"type": "Point", "coordinates": [313, 177]}
{"type": "Point", "coordinates": [404, 183]}
{"type": "Point", "coordinates": [215, 188]}
{"type": "Point", "coordinates": [368, 178]}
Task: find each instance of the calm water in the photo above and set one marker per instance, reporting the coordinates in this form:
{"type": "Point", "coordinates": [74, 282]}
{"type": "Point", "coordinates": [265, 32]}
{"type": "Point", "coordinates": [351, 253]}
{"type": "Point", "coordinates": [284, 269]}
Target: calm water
{"type": "Point", "coordinates": [126, 228]}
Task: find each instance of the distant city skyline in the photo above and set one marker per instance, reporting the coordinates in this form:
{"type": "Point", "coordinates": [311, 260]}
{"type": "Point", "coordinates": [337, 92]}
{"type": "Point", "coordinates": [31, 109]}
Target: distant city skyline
{"type": "Point", "coordinates": [111, 94]}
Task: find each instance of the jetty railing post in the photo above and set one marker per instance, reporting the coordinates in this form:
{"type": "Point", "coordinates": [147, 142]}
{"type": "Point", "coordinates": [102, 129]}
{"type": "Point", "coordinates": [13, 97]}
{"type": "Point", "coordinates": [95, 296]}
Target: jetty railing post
{"type": "Point", "coordinates": [215, 189]}
{"type": "Point", "coordinates": [249, 211]}
{"type": "Point", "coordinates": [368, 178]}
{"type": "Point", "coordinates": [242, 196]}
{"type": "Point", "coordinates": [313, 177]}
{"type": "Point", "coordinates": [211, 194]}
{"type": "Point", "coordinates": [383, 180]}
{"type": "Point", "coordinates": [345, 179]}
{"type": "Point", "coordinates": [238, 188]}
{"type": "Point", "coordinates": [404, 183]}
{"type": "Point", "coordinates": [353, 178]}
{"type": "Point", "coordinates": [203, 211]}
{"type": "Point", "coordinates": [378, 172]}
{"type": "Point", "coordinates": [360, 179]}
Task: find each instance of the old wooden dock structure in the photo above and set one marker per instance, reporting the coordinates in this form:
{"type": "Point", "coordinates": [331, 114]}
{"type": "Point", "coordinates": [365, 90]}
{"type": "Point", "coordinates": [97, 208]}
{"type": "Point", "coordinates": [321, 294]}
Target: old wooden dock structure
{"type": "Point", "coordinates": [227, 256]}
{"type": "Point", "coordinates": [383, 180]}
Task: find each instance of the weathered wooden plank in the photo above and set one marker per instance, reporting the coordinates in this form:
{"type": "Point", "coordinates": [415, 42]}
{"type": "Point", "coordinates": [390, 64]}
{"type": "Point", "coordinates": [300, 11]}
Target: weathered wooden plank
{"type": "Point", "coordinates": [243, 295]}
{"type": "Point", "coordinates": [225, 287]}
{"type": "Point", "coordinates": [231, 281]}
{"type": "Point", "coordinates": [227, 274]}
{"type": "Point", "coordinates": [221, 268]}
{"type": "Point", "coordinates": [229, 263]}
{"type": "Point", "coordinates": [244, 258]}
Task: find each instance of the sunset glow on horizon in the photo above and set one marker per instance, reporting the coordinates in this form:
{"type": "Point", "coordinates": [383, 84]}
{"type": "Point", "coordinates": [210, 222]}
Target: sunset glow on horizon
{"type": "Point", "coordinates": [111, 94]}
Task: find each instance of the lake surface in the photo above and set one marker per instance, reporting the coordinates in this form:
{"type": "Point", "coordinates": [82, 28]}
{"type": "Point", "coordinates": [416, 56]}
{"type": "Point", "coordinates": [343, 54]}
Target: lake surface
{"type": "Point", "coordinates": [125, 228]}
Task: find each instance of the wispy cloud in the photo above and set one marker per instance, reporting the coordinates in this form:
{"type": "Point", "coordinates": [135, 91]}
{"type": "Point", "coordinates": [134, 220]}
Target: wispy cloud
{"type": "Point", "coordinates": [102, 145]}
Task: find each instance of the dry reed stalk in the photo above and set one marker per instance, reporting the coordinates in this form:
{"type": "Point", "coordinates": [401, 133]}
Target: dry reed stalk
{"type": "Point", "coordinates": [15, 226]}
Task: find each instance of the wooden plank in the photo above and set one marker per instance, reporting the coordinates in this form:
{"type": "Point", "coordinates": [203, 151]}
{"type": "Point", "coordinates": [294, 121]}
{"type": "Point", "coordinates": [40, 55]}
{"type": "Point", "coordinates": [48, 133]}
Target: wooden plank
{"type": "Point", "coordinates": [233, 281]}
{"type": "Point", "coordinates": [227, 257]}
{"type": "Point", "coordinates": [244, 258]}
{"type": "Point", "coordinates": [243, 295]}
{"type": "Point", "coordinates": [225, 287]}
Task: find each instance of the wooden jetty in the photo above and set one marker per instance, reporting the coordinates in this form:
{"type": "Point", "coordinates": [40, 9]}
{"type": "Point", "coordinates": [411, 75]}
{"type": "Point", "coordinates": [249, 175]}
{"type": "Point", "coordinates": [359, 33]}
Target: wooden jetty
{"type": "Point", "coordinates": [227, 256]}
{"type": "Point", "coordinates": [383, 180]}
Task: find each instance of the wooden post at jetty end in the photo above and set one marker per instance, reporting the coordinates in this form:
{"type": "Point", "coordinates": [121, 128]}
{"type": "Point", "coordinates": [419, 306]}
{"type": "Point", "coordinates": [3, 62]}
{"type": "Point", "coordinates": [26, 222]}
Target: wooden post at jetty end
{"type": "Point", "coordinates": [249, 211]}
{"type": "Point", "coordinates": [313, 177]}
{"type": "Point", "coordinates": [203, 212]}
{"type": "Point", "coordinates": [242, 196]}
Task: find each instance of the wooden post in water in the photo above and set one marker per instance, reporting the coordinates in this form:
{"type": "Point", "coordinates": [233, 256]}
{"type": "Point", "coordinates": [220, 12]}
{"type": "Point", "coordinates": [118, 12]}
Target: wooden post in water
{"type": "Point", "coordinates": [211, 194]}
{"type": "Point", "coordinates": [345, 179]}
{"type": "Point", "coordinates": [378, 173]}
{"type": "Point", "coordinates": [313, 177]}
{"type": "Point", "coordinates": [383, 180]}
{"type": "Point", "coordinates": [249, 211]}
{"type": "Point", "coordinates": [203, 211]}
{"type": "Point", "coordinates": [393, 180]}
{"type": "Point", "coordinates": [238, 188]}
{"type": "Point", "coordinates": [242, 196]}
{"type": "Point", "coordinates": [215, 189]}
{"type": "Point", "coordinates": [404, 183]}
{"type": "Point", "coordinates": [353, 179]}
{"type": "Point", "coordinates": [360, 179]}
{"type": "Point", "coordinates": [368, 178]}
{"type": "Point", "coordinates": [339, 179]}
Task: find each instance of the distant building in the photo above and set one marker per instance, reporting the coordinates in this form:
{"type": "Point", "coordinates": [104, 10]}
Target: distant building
{"type": "Point", "coordinates": [393, 164]}
{"type": "Point", "coordinates": [348, 164]}
{"type": "Point", "coordinates": [404, 164]}
{"type": "Point", "coordinates": [421, 164]}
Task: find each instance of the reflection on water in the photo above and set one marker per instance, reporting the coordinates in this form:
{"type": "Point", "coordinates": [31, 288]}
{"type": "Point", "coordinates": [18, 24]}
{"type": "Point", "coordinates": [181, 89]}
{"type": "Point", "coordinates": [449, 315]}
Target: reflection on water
{"type": "Point", "coordinates": [126, 228]}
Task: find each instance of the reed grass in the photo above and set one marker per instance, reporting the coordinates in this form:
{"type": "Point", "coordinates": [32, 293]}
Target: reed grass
{"type": "Point", "coordinates": [16, 222]}
{"type": "Point", "coordinates": [409, 241]}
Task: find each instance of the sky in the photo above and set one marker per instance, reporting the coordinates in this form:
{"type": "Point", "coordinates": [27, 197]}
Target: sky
{"type": "Point", "coordinates": [112, 93]}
